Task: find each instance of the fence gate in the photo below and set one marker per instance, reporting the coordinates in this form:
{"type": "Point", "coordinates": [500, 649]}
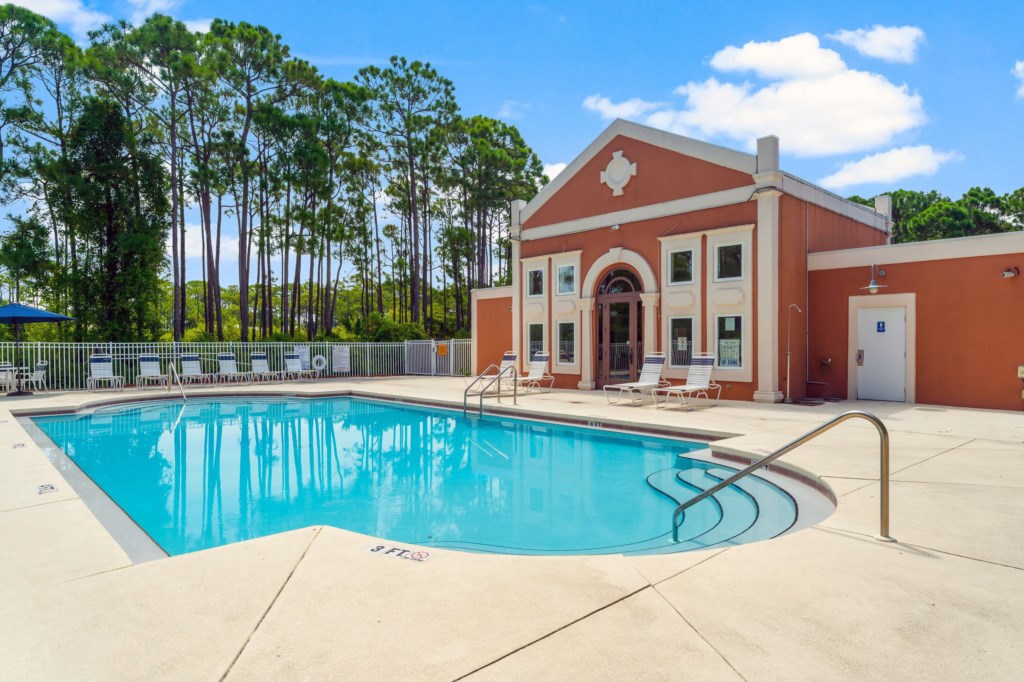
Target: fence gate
{"type": "Point", "coordinates": [419, 357]}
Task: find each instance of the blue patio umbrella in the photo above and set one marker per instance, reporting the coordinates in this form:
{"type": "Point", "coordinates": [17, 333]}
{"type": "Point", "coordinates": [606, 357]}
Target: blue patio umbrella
{"type": "Point", "coordinates": [17, 314]}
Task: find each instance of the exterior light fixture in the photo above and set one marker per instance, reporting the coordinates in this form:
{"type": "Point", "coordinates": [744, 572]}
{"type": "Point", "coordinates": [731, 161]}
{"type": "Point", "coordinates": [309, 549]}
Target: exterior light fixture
{"type": "Point", "coordinates": [615, 227]}
{"type": "Point", "coordinates": [1012, 271]}
{"type": "Point", "coordinates": [873, 286]}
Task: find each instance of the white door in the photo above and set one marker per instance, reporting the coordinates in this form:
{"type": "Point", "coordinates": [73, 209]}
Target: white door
{"type": "Point", "coordinates": [881, 354]}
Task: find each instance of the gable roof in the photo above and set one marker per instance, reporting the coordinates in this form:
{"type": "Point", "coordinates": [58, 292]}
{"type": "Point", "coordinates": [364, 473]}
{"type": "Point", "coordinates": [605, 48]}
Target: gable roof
{"type": "Point", "coordinates": [721, 156]}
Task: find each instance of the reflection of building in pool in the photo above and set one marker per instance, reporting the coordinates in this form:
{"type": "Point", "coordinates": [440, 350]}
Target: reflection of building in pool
{"type": "Point", "coordinates": [653, 242]}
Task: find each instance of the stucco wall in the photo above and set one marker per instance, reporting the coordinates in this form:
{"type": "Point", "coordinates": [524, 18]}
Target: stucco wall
{"type": "Point", "coordinates": [492, 330]}
{"type": "Point", "coordinates": [970, 328]}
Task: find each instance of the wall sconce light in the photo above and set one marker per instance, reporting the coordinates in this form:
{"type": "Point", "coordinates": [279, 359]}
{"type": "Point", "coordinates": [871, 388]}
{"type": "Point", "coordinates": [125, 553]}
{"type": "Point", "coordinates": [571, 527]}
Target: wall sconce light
{"type": "Point", "coordinates": [615, 227]}
{"type": "Point", "coordinates": [873, 286]}
{"type": "Point", "coordinates": [1012, 271]}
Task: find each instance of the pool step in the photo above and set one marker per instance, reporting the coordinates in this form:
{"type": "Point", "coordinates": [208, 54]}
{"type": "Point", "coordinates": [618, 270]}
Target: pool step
{"type": "Point", "coordinates": [753, 507]}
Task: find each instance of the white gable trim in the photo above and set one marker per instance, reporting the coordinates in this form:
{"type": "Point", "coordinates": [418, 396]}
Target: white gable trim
{"type": "Point", "coordinates": [721, 156]}
{"type": "Point", "coordinates": [700, 202]}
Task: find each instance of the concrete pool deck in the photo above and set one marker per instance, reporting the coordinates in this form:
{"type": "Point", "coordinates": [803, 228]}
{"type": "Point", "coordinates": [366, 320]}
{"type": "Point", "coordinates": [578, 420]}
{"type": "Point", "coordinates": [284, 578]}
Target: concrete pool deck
{"type": "Point", "coordinates": [944, 602]}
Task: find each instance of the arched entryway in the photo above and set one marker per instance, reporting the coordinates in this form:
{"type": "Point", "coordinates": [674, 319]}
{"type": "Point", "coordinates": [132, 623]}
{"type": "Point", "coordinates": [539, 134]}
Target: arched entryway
{"type": "Point", "coordinates": [620, 328]}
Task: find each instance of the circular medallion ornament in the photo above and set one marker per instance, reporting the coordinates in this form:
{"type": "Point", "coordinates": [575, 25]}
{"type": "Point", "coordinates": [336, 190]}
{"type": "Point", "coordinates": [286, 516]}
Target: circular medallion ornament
{"type": "Point", "coordinates": [618, 172]}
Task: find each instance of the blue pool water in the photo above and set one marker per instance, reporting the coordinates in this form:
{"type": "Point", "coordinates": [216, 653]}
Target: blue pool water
{"type": "Point", "coordinates": [209, 472]}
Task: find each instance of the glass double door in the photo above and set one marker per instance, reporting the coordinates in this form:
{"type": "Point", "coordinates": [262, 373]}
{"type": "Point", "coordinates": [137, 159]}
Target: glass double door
{"type": "Point", "coordinates": [619, 338]}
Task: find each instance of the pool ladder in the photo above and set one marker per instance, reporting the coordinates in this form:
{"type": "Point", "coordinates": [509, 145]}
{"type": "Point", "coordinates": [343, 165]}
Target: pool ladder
{"type": "Point", "coordinates": [883, 433]}
{"type": "Point", "coordinates": [173, 372]}
{"type": "Point", "coordinates": [510, 371]}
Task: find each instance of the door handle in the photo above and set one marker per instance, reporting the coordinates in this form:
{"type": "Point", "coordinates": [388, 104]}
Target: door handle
{"type": "Point", "coordinates": [860, 357]}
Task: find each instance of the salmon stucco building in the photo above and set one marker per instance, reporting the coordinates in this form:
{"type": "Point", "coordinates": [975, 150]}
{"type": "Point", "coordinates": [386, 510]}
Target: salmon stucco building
{"type": "Point", "coordinates": [654, 242]}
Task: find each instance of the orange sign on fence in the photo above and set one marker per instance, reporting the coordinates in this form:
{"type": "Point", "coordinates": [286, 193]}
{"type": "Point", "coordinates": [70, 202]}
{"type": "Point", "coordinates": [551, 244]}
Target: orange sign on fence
{"type": "Point", "coordinates": [442, 349]}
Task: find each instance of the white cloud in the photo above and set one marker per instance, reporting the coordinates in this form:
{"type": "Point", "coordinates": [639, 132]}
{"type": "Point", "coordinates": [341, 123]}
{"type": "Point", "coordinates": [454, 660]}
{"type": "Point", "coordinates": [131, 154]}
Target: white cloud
{"type": "Point", "coordinates": [1018, 71]}
{"type": "Point", "coordinates": [71, 13]}
{"type": "Point", "coordinates": [198, 25]}
{"type": "Point", "coordinates": [511, 109]}
{"type": "Point", "coordinates": [631, 108]}
{"type": "Point", "coordinates": [890, 166]}
{"type": "Point", "coordinates": [553, 169]}
{"type": "Point", "coordinates": [799, 56]}
{"type": "Point", "coordinates": [144, 9]}
{"type": "Point", "coordinates": [813, 102]}
{"type": "Point", "coordinates": [891, 43]}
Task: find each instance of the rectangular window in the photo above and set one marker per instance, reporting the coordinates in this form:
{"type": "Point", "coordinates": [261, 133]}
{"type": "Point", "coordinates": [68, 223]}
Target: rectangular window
{"type": "Point", "coordinates": [566, 343]}
{"type": "Point", "coordinates": [728, 262]}
{"type": "Point", "coordinates": [680, 341]}
{"type": "Point", "coordinates": [536, 332]}
{"type": "Point", "coordinates": [680, 264]}
{"type": "Point", "coordinates": [566, 279]}
{"type": "Point", "coordinates": [535, 283]}
{"type": "Point", "coordinates": [730, 341]}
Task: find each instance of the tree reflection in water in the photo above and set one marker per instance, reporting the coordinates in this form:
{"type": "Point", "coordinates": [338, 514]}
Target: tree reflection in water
{"type": "Point", "coordinates": [397, 472]}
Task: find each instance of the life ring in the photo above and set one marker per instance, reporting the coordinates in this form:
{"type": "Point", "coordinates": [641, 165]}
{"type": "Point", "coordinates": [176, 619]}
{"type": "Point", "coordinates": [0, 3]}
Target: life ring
{"type": "Point", "coordinates": [319, 363]}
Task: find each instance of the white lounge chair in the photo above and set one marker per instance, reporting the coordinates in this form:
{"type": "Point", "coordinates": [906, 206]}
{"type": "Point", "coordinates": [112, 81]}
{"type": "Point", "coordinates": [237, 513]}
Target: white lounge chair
{"type": "Point", "coordinates": [192, 370]}
{"type": "Point", "coordinates": [149, 371]}
{"type": "Point", "coordinates": [228, 369]}
{"type": "Point", "coordinates": [261, 369]}
{"type": "Point", "coordinates": [538, 373]}
{"type": "Point", "coordinates": [649, 379]}
{"type": "Point", "coordinates": [508, 359]}
{"type": "Point", "coordinates": [293, 368]}
{"type": "Point", "coordinates": [698, 383]}
{"type": "Point", "coordinates": [37, 378]}
{"type": "Point", "coordinates": [101, 371]}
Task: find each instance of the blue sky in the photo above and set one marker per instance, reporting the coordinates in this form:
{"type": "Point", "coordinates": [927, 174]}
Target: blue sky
{"type": "Point", "coordinates": [865, 96]}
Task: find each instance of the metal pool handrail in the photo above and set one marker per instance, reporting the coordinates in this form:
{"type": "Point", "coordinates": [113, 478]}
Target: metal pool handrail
{"type": "Point", "coordinates": [883, 433]}
{"type": "Point", "coordinates": [173, 371]}
{"type": "Point", "coordinates": [515, 387]}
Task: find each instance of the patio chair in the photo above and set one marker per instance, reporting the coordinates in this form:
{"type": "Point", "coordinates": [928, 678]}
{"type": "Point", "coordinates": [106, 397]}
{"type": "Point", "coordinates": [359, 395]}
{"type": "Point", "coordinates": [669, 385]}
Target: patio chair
{"type": "Point", "coordinates": [698, 383]}
{"type": "Point", "coordinates": [149, 371]}
{"type": "Point", "coordinates": [37, 378]}
{"type": "Point", "coordinates": [8, 377]}
{"type": "Point", "coordinates": [192, 370]}
{"type": "Point", "coordinates": [261, 369]}
{"type": "Point", "coordinates": [101, 371]}
{"type": "Point", "coordinates": [508, 359]}
{"type": "Point", "coordinates": [228, 369]}
{"type": "Point", "coordinates": [293, 368]}
{"type": "Point", "coordinates": [649, 379]}
{"type": "Point", "coordinates": [538, 374]}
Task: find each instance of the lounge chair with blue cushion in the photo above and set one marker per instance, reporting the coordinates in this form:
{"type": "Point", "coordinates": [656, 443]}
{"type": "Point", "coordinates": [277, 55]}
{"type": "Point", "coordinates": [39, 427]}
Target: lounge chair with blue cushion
{"type": "Point", "coordinates": [101, 371]}
{"type": "Point", "coordinates": [149, 371]}
{"type": "Point", "coordinates": [650, 379]}
{"type": "Point", "coordinates": [229, 369]}
{"type": "Point", "coordinates": [192, 370]}
{"type": "Point", "coordinates": [261, 369]}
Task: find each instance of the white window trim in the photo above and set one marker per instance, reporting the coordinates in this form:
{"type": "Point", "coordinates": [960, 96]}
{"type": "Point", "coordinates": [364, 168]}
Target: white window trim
{"type": "Point", "coordinates": [743, 342]}
{"type": "Point", "coordinates": [558, 280]}
{"type": "Point", "coordinates": [668, 266]}
{"type": "Point", "coordinates": [693, 337]}
{"type": "Point", "coordinates": [743, 262]}
{"type": "Point", "coordinates": [558, 343]}
{"type": "Point", "coordinates": [529, 272]}
{"type": "Point", "coordinates": [543, 338]}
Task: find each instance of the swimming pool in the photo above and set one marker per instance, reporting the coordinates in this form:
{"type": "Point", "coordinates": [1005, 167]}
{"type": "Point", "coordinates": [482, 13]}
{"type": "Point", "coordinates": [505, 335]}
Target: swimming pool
{"type": "Point", "coordinates": [209, 472]}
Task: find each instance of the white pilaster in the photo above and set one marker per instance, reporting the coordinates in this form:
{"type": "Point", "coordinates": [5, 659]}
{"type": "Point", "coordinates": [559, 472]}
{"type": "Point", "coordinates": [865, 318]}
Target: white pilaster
{"type": "Point", "coordinates": [515, 234]}
{"type": "Point", "coordinates": [586, 344]}
{"type": "Point", "coordinates": [650, 304]}
{"type": "Point", "coordinates": [767, 390]}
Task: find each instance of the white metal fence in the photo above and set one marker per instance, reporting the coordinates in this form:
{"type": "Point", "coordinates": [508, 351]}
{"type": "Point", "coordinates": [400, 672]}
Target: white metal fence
{"type": "Point", "coordinates": [68, 363]}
